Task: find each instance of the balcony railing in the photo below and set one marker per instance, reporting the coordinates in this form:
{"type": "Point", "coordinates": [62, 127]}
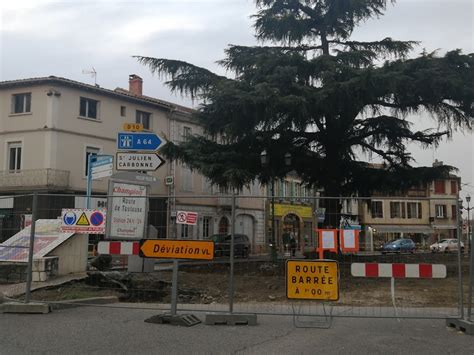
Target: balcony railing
{"type": "Point", "coordinates": [34, 178]}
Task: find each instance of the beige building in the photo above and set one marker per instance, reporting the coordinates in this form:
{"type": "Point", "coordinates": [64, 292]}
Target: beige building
{"type": "Point", "coordinates": [425, 214]}
{"type": "Point", "coordinates": [48, 128]}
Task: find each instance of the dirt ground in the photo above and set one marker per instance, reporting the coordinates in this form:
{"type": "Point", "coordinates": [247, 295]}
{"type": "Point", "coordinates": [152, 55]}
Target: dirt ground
{"type": "Point", "coordinates": [257, 281]}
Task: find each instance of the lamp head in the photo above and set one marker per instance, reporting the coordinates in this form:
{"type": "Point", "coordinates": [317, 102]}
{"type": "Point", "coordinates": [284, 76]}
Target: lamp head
{"type": "Point", "coordinates": [264, 158]}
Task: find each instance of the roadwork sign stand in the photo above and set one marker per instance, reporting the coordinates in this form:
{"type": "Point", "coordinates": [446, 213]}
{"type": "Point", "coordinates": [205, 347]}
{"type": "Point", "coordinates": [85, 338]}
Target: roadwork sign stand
{"type": "Point", "coordinates": [324, 323]}
{"type": "Point", "coordinates": [316, 280]}
{"type": "Point", "coordinates": [176, 249]}
{"type": "Point", "coordinates": [186, 320]}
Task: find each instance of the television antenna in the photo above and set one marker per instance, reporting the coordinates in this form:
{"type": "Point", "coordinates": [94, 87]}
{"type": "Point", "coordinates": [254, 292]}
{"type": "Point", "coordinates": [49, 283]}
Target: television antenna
{"type": "Point", "coordinates": [92, 73]}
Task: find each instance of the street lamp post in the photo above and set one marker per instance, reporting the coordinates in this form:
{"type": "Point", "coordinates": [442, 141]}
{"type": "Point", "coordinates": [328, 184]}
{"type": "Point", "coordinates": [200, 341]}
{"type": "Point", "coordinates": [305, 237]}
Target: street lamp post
{"type": "Point", "coordinates": [468, 209]}
{"type": "Point", "coordinates": [470, 239]}
{"type": "Point", "coordinates": [265, 161]}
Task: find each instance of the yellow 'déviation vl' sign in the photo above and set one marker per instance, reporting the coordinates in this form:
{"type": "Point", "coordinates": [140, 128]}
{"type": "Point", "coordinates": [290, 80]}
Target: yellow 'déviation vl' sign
{"type": "Point", "coordinates": [312, 280]}
{"type": "Point", "coordinates": [177, 249]}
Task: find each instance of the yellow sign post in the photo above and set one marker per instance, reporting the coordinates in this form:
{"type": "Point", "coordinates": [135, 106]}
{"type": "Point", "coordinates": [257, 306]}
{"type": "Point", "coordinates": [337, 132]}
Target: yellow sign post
{"type": "Point", "coordinates": [312, 280]}
{"type": "Point", "coordinates": [133, 127]}
{"type": "Point", "coordinates": [177, 249]}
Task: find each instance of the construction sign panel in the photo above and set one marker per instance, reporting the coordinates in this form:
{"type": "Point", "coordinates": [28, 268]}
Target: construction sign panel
{"type": "Point", "coordinates": [312, 280]}
{"type": "Point", "coordinates": [128, 210]}
{"type": "Point", "coordinates": [183, 217]}
{"type": "Point", "coordinates": [82, 220]}
{"type": "Point", "coordinates": [177, 249]}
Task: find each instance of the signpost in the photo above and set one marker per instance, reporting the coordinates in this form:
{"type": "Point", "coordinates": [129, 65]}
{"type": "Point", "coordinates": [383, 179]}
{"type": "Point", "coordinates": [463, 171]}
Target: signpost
{"type": "Point", "coordinates": [102, 166]}
{"type": "Point", "coordinates": [177, 249]}
{"type": "Point", "coordinates": [130, 161]}
{"type": "Point", "coordinates": [138, 141]}
{"type": "Point", "coordinates": [312, 280]}
{"type": "Point", "coordinates": [98, 166]}
{"type": "Point", "coordinates": [83, 221]}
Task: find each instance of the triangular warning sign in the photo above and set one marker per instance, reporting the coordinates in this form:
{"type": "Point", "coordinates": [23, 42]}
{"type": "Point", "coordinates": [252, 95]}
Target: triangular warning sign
{"type": "Point", "coordinates": [83, 221]}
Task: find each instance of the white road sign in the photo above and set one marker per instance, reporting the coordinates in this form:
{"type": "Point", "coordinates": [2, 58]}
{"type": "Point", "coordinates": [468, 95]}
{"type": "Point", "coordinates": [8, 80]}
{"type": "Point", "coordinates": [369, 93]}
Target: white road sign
{"type": "Point", "coordinates": [127, 212]}
{"type": "Point", "coordinates": [138, 161]}
{"type": "Point", "coordinates": [102, 166]}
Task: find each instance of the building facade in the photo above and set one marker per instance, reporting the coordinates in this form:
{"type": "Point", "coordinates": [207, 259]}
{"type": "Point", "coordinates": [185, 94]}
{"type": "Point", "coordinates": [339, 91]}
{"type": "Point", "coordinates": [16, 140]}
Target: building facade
{"type": "Point", "coordinates": [48, 128]}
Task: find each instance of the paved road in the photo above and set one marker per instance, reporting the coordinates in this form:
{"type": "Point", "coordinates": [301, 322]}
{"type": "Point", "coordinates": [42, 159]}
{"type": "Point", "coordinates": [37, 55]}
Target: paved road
{"type": "Point", "coordinates": [95, 330]}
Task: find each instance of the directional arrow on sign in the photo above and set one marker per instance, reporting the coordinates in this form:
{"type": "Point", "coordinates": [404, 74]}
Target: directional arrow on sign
{"type": "Point", "coordinates": [138, 161]}
{"type": "Point", "coordinates": [177, 249]}
{"type": "Point", "coordinates": [138, 141]}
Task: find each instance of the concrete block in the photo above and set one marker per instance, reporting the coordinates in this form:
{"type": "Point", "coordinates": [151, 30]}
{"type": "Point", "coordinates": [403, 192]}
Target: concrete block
{"type": "Point", "coordinates": [184, 320]}
{"type": "Point", "coordinates": [461, 325]}
{"type": "Point", "coordinates": [231, 319]}
{"type": "Point", "coordinates": [17, 307]}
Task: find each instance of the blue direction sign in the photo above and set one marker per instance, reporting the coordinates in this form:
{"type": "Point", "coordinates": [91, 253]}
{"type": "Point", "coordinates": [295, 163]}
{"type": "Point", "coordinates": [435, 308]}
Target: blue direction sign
{"type": "Point", "coordinates": [138, 141]}
{"type": "Point", "coordinates": [101, 160]}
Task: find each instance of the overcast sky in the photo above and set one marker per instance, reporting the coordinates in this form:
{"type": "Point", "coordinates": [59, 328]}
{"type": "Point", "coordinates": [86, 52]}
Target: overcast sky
{"type": "Point", "coordinates": [64, 38]}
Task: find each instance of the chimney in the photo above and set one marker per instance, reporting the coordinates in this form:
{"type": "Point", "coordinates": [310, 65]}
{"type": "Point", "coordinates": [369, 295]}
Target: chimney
{"type": "Point", "coordinates": [135, 85]}
{"type": "Point", "coordinates": [437, 163]}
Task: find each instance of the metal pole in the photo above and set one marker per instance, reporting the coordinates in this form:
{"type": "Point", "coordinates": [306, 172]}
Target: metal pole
{"type": "Point", "coordinates": [29, 273]}
{"type": "Point", "coordinates": [471, 264]}
{"type": "Point", "coordinates": [231, 279]}
{"type": "Point", "coordinates": [89, 181]}
{"type": "Point", "coordinates": [274, 252]}
{"type": "Point", "coordinates": [174, 288]}
{"type": "Point", "coordinates": [459, 235]}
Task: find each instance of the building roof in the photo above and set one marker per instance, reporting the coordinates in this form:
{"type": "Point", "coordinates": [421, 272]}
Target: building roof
{"type": "Point", "coordinates": [118, 93]}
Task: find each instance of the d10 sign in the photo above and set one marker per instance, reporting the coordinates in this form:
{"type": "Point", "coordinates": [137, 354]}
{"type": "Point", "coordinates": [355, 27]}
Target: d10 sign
{"type": "Point", "coordinates": [312, 280]}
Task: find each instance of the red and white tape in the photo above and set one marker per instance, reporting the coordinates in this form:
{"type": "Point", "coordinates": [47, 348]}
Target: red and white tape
{"type": "Point", "coordinates": [118, 248]}
{"type": "Point", "coordinates": [399, 271]}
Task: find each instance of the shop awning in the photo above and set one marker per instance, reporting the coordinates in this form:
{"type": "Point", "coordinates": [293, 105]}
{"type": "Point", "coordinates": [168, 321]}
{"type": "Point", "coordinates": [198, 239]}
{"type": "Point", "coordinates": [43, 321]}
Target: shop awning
{"type": "Point", "coordinates": [402, 229]}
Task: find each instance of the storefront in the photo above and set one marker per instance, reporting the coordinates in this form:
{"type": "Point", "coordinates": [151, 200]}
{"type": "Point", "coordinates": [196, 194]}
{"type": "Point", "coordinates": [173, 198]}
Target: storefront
{"type": "Point", "coordinates": [293, 220]}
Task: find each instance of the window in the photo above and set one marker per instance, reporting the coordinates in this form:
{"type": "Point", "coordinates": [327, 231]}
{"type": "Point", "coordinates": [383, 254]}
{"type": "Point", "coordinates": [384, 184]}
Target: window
{"type": "Point", "coordinates": [185, 231]}
{"type": "Point", "coordinates": [90, 151]}
{"type": "Point", "coordinates": [454, 187]}
{"type": "Point", "coordinates": [440, 211]}
{"type": "Point", "coordinates": [414, 210]}
{"type": "Point", "coordinates": [123, 111]}
{"type": "Point", "coordinates": [186, 133]}
{"type": "Point", "coordinates": [439, 187]}
{"type": "Point", "coordinates": [454, 209]}
{"type": "Point", "coordinates": [206, 227]}
{"type": "Point", "coordinates": [397, 210]}
{"type": "Point", "coordinates": [186, 179]}
{"type": "Point", "coordinates": [377, 209]}
{"type": "Point", "coordinates": [206, 185]}
{"type": "Point", "coordinates": [14, 157]}
{"type": "Point", "coordinates": [88, 108]}
{"type": "Point", "coordinates": [286, 189]}
{"type": "Point", "coordinates": [144, 118]}
{"type": "Point", "coordinates": [349, 206]}
{"type": "Point", "coordinates": [21, 103]}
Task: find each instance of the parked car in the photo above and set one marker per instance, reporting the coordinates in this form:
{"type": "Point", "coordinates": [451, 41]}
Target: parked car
{"type": "Point", "coordinates": [446, 245]}
{"type": "Point", "coordinates": [399, 246]}
{"type": "Point", "coordinates": [222, 245]}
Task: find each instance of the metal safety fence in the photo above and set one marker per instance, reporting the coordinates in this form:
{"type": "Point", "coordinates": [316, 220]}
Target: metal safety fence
{"type": "Point", "coordinates": [403, 257]}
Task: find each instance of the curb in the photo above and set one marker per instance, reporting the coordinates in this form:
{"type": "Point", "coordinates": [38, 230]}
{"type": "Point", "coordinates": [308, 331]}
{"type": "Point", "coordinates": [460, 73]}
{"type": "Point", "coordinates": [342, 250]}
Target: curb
{"type": "Point", "coordinates": [57, 305]}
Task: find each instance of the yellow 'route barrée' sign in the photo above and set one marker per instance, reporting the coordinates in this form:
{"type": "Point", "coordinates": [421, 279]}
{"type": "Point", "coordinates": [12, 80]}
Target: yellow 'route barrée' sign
{"type": "Point", "coordinates": [177, 249]}
{"type": "Point", "coordinates": [312, 280]}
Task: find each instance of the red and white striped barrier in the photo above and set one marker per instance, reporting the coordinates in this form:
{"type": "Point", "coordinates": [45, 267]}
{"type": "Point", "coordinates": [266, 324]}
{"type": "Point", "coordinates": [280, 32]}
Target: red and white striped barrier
{"type": "Point", "coordinates": [118, 248]}
{"type": "Point", "coordinates": [399, 271]}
